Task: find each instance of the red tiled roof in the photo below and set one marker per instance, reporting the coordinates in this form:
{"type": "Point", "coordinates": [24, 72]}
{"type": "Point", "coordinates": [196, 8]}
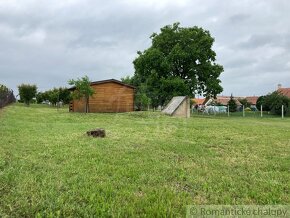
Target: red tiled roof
{"type": "Point", "coordinates": [225, 99]}
{"type": "Point", "coordinates": [285, 91]}
{"type": "Point", "coordinates": [252, 99]}
{"type": "Point", "coordinates": [198, 100]}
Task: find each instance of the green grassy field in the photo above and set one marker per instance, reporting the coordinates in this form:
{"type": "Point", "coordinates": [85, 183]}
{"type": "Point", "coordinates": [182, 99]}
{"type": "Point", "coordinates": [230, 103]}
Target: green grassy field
{"type": "Point", "coordinates": [148, 165]}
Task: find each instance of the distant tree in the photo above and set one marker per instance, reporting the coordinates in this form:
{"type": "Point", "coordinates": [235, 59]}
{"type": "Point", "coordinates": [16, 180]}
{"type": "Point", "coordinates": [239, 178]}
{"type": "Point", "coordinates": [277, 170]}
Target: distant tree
{"type": "Point", "coordinates": [232, 104]}
{"type": "Point", "coordinates": [3, 91]}
{"type": "Point", "coordinates": [261, 101]}
{"type": "Point", "coordinates": [39, 97]}
{"type": "Point", "coordinates": [275, 101]}
{"type": "Point", "coordinates": [245, 102]}
{"type": "Point", "coordinates": [83, 90]}
{"type": "Point", "coordinates": [53, 96]}
{"type": "Point", "coordinates": [128, 80]}
{"type": "Point", "coordinates": [27, 92]}
{"type": "Point", "coordinates": [180, 61]}
{"type": "Point", "coordinates": [65, 95]}
{"type": "Point", "coordinates": [6, 96]}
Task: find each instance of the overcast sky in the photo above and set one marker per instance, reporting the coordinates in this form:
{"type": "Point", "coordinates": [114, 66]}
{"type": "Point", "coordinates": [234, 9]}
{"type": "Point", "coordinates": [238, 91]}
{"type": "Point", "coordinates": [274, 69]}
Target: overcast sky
{"type": "Point", "coordinates": [49, 42]}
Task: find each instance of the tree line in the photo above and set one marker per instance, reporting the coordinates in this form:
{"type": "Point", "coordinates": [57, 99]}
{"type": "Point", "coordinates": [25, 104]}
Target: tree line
{"type": "Point", "coordinates": [180, 61]}
{"type": "Point", "coordinates": [271, 103]}
{"type": "Point", "coordinates": [6, 96]}
{"type": "Point", "coordinates": [82, 89]}
{"type": "Point", "coordinates": [28, 93]}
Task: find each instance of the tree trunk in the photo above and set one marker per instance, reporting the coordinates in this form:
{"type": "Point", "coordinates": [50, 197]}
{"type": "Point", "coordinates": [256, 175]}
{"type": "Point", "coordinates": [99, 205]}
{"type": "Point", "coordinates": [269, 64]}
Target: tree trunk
{"type": "Point", "coordinates": [87, 104]}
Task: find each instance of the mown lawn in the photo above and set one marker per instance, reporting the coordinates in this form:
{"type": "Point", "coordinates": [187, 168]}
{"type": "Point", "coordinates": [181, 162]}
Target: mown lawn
{"type": "Point", "coordinates": [148, 165]}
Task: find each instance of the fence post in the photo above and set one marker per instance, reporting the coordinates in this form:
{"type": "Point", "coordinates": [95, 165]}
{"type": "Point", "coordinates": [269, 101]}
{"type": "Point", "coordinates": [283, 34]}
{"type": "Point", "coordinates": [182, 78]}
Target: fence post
{"type": "Point", "coordinates": [228, 111]}
{"type": "Point", "coordinates": [243, 111]}
{"type": "Point", "coordinates": [261, 110]}
{"type": "Point", "coordinates": [282, 111]}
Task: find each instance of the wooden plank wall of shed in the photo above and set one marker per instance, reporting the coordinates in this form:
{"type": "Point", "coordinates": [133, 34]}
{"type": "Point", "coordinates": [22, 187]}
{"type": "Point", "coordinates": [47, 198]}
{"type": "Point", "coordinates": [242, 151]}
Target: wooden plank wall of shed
{"type": "Point", "coordinates": [79, 105]}
{"type": "Point", "coordinates": [108, 97]}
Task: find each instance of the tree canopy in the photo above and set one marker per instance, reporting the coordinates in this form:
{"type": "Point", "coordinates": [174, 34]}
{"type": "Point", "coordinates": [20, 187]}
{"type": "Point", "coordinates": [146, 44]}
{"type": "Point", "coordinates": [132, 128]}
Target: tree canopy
{"type": "Point", "coordinates": [3, 90]}
{"type": "Point", "coordinates": [83, 89]}
{"type": "Point", "coordinates": [261, 101]}
{"type": "Point", "coordinates": [245, 102]}
{"type": "Point", "coordinates": [54, 95]}
{"type": "Point", "coordinates": [273, 102]}
{"type": "Point", "coordinates": [27, 92]}
{"type": "Point", "coordinates": [180, 61]}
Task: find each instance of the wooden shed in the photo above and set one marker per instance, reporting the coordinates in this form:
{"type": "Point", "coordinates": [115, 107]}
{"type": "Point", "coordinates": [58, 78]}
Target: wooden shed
{"type": "Point", "coordinates": [110, 96]}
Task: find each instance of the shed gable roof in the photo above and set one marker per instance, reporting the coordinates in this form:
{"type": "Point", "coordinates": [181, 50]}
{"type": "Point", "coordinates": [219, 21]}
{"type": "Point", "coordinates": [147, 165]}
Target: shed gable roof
{"type": "Point", "coordinates": [107, 81]}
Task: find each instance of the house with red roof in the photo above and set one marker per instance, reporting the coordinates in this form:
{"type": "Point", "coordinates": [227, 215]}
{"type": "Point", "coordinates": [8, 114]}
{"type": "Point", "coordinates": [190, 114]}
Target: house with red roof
{"type": "Point", "coordinates": [284, 91]}
{"type": "Point", "coordinates": [223, 100]}
{"type": "Point", "coordinates": [252, 99]}
{"type": "Point", "coordinates": [198, 101]}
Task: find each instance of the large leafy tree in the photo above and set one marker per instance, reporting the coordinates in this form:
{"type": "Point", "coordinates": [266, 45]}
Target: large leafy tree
{"type": "Point", "coordinates": [27, 92]}
{"type": "Point", "coordinates": [83, 90]}
{"type": "Point", "coordinates": [180, 61]}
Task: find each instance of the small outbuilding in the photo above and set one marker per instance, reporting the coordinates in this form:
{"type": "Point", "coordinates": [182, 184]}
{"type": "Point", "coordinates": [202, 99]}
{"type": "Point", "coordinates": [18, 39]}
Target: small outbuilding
{"type": "Point", "coordinates": [110, 96]}
{"type": "Point", "coordinates": [179, 106]}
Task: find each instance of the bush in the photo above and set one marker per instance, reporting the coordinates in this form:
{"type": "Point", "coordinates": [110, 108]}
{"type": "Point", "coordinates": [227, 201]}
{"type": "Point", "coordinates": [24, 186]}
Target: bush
{"type": "Point", "coordinates": [6, 96]}
{"type": "Point", "coordinates": [274, 102]}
